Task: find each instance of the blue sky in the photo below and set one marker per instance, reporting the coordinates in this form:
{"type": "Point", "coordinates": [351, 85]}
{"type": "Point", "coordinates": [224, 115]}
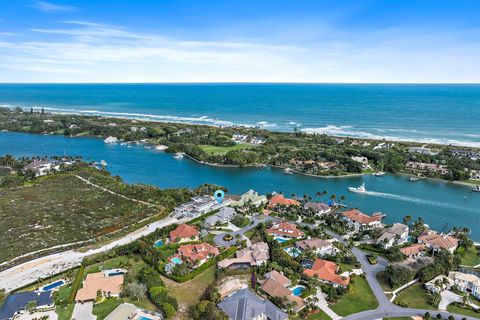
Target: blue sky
{"type": "Point", "coordinates": [240, 41]}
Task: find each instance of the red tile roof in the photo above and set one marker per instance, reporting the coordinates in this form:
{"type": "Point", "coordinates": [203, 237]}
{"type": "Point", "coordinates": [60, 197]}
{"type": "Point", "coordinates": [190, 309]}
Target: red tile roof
{"type": "Point", "coordinates": [358, 216]}
{"type": "Point", "coordinates": [183, 231]}
{"type": "Point", "coordinates": [326, 270]}
{"type": "Point", "coordinates": [200, 252]}
{"type": "Point", "coordinates": [280, 199]}
{"type": "Point", "coordinates": [438, 240]}
{"type": "Point", "coordinates": [286, 229]}
{"type": "Point", "coordinates": [413, 249]}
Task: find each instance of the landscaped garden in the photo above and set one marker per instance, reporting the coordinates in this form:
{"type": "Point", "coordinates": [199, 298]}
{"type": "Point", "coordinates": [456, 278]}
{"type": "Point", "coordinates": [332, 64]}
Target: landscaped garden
{"type": "Point", "coordinates": [359, 298]}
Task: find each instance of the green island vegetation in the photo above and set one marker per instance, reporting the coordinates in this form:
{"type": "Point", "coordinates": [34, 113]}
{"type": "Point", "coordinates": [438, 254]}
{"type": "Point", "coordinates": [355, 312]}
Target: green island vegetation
{"type": "Point", "coordinates": [60, 208]}
{"type": "Point", "coordinates": [312, 154]}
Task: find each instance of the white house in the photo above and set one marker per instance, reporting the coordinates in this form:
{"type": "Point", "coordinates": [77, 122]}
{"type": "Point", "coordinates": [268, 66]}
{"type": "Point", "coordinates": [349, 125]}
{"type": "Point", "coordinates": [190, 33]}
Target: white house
{"type": "Point", "coordinates": [224, 215]}
{"type": "Point", "coordinates": [468, 283]}
{"type": "Point", "coordinates": [321, 247]}
{"type": "Point", "coordinates": [358, 220]}
{"type": "Point", "coordinates": [318, 207]}
{"type": "Point", "coordinates": [396, 234]}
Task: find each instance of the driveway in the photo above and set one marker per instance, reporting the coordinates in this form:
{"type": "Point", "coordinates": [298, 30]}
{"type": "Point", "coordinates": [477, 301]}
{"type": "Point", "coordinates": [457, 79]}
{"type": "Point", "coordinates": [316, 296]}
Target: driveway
{"type": "Point", "coordinates": [255, 219]}
{"type": "Point", "coordinates": [448, 297]}
{"type": "Point", "coordinates": [83, 311]}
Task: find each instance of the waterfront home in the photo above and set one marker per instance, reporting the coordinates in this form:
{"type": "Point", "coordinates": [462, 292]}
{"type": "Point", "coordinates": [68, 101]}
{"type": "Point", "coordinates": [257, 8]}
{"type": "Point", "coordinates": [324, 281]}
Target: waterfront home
{"type": "Point", "coordinates": [258, 140]}
{"type": "Point", "coordinates": [184, 233]}
{"type": "Point", "coordinates": [362, 160]}
{"type": "Point", "coordinates": [321, 247]}
{"type": "Point", "coordinates": [413, 251]}
{"type": "Point", "coordinates": [358, 220]}
{"type": "Point", "coordinates": [426, 167]}
{"type": "Point", "coordinates": [99, 284]}
{"type": "Point", "coordinates": [437, 241]}
{"type": "Point", "coordinates": [41, 167]}
{"type": "Point", "coordinates": [422, 150]}
{"type": "Point", "coordinates": [326, 271]}
{"type": "Point", "coordinates": [127, 311]}
{"type": "Point", "coordinates": [279, 199]}
{"type": "Point", "coordinates": [285, 230]}
{"type": "Point", "coordinates": [439, 284]}
{"type": "Point", "coordinates": [198, 253]}
{"type": "Point", "coordinates": [327, 165]}
{"type": "Point", "coordinates": [240, 138]}
{"type": "Point", "coordinates": [250, 198]}
{"type": "Point", "coordinates": [16, 303]}
{"type": "Point", "coordinates": [276, 285]}
{"type": "Point", "coordinates": [465, 282]}
{"type": "Point", "coordinates": [318, 207]}
{"type": "Point", "coordinates": [111, 140]}
{"type": "Point", "coordinates": [223, 216]}
{"type": "Point", "coordinates": [395, 235]}
{"type": "Point", "coordinates": [475, 175]}
{"type": "Point", "coordinates": [196, 207]}
{"type": "Point", "coordinates": [473, 155]}
{"type": "Point", "coordinates": [246, 305]}
{"type": "Point", "coordinates": [255, 255]}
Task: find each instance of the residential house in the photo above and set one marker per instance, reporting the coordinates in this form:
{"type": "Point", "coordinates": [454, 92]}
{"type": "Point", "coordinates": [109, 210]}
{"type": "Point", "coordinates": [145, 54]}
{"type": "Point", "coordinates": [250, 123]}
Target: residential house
{"type": "Point", "coordinates": [276, 284]}
{"type": "Point", "coordinates": [127, 311]}
{"type": "Point", "coordinates": [279, 199]}
{"type": "Point", "coordinates": [196, 207]}
{"type": "Point", "coordinates": [15, 303]}
{"type": "Point", "coordinates": [362, 160]}
{"type": "Point", "coordinates": [439, 284]}
{"type": "Point", "coordinates": [250, 197]}
{"type": "Point", "coordinates": [223, 216]}
{"type": "Point", "coordinates": [437, 241]}
{"type": "Point", "coordinates": [473, 155]}
{"type": "Point", "coordinates": [184, 233]}
{"type": "Point", "coordinates": [327, 165]}
{"type": "Point", "coordinates": [475, 175]}
{"type": "Point", "coordinates": [198, 253]}
{"type": "Point", "coordinates": [258, 140]}
{"type": "Point", "coordinates": [240, 138]}
{"type": "Point", "coordinates": [427, 167]}
{"type": "Point", "coordinates": [422, 150]}
{"type": "Point", "coordinates": [255, 255]}
{"type": "Point", "coordinates": [99, 284]}
{"type": "Point", "coordinates": [318, 207]}
{"type": "Point", "coordinates": [321, 247]}
{"type": "Point", "coordinates": [326, 271]}
{"type": "Point", "coordinates": [285, 230]}
{"type": "Point", "coordinates": [41, 167]}
{"type": "Point", "coordinates": [468, 283]}
{"type": "Point", "coordinates": [413, 251]}
{"type": "Point", "coordinates": [358, 220]}
{"type": "Point", "coordinates": [246, 305]}
{"type": "Point", "coordinates": [395, 235]}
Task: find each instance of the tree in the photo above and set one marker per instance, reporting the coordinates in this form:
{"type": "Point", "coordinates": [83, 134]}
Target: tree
{"type": "Point", "coordinates": [407, 219]}
{"type": "Point", "coordinates": [135, 290]}
{"type": "Point", "coordinates": [397, 275]}
{"type": "Point", "coordinates": [168, 310]}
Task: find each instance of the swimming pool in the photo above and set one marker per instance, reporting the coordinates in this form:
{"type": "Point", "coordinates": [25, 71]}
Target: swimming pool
{"type": "Point", "coordinates": [111, 274]}
{"type": "Point", "coordinates": [297, 290]}
{"type": "Point", "coordinates": [53, 285]}
{"type": "Point", "coordinates": [292, 251]}
{"type": "Point", "coordinates": [144, 318]}
{"type": "Point", "coordinates": [159, 243]}
{"type": "Point", "coordinates": [176, 260]}
{"type": "Point", "coordinates": [279, 239]}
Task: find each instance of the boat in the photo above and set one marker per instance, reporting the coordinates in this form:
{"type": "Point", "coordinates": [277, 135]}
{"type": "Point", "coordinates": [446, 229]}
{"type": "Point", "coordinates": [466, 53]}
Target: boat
{"type": "Point", "coordinates": [161, 147]}
{"type": "Point", "coordinates": [111, 140]}
{"type": "Point", "coordinates": [103, 163]}
{"type": "Point", "coordinates": [360, 189]}
{"type": "Point", "coordinates": [178, 155]}
{"type": "Point", "coordinates": [415, 179]}
{"type": "Point", "coordinates": [288, 171]}
{"type": "Point", "coordinates": [476, 188]}
{"type": "Point", "coordinates": [379, 174]}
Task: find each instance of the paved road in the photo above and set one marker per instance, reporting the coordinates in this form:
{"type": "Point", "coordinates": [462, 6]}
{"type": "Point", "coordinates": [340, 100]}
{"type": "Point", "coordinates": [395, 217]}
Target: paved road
{"type": "Point", "coordinates": [43, 267]}
{"type": "Point", "coordinates": [222, 243]}
{"type": "Point", "coordinates": [385, 307]}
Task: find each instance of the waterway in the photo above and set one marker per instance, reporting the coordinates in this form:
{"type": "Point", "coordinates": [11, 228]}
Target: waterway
{"type": "Point", "coordinates": [442, 204]}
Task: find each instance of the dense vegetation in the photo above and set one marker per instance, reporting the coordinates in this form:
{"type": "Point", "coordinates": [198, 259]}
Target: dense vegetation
{"type": "Point", "coordinates": [310, 154]}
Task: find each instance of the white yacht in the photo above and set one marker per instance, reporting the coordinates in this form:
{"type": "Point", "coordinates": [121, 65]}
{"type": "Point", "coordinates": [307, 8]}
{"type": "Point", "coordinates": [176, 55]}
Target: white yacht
{"type": "Point", "coordinates": [111, 140]}
{"type": "Point", "coordinates": [476, 188]}
{"type": "Point", "coordinates": [178, 155]}
{"type": "Point", "coordinates": [360, 189]}
{"type": "Point", "coordinates": [379, 174]}
{"type": "Point", "coordinates": [103, 163]}
{"type": "Point", "coordinates": [288, 171]}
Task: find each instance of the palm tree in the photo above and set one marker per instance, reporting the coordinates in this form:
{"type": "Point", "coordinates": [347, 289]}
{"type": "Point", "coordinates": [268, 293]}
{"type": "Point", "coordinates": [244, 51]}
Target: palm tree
{"type": "Point", "coordinates": [407, 219]}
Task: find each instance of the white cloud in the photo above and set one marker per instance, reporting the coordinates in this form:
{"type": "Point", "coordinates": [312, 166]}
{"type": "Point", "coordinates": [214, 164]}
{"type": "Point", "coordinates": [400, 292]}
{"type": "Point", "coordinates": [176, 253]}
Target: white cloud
{"type": "Point", "coordinates": [51, 7]}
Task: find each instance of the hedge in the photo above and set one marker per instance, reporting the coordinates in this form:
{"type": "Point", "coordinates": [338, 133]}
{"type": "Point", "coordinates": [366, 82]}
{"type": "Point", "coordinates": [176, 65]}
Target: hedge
{"type": "Point", "coordinates": [76, 284]}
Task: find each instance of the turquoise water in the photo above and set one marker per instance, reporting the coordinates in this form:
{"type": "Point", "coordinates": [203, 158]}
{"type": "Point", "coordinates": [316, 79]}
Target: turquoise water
{"type": "Point", "coordinates": [53, 285]}
{"type": "Point", "coordinates": [297, 291]}
{"type": "Point", "coordinates": [439, 113]}
{"type": "Point", "coordinates": [281, 240]}
{"type": "Point", "coordinates": [177, 260]}
{"type": "Point", "coordinates": [159, 243]}
{"type": "Point", "coordinates": [440, 203]}
{"type": "Point", "coordinates": [292, 251]}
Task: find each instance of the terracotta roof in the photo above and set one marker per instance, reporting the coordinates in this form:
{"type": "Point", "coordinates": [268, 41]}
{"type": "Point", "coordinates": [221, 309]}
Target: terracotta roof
{"type": "Point", "coordinates": [275, 286]}
{"type": "Point", "coordinates": [357, 216]}
{"type": "Point", "coordinates": [313, 244]}
{"type": "Point", "coordinates": [95, 282]}
{"type": "Point", "coordinates": [183, 231]}
{"type": "Point", "coordinates": [326, 270]}
{"type": "Point", "coordinates": [257, 252]}
{"type": "Point", "coordinates": [201, 251]}
{"type": "Point", "coordinates": [438, 240]}
{"type": "Point", "coordinates": [278, 277]}
{"type": "Point", "coordinates": [413, 249]}
{"type": "Point", "coordinates": [280, 199]}
{"type": "Point", "coordinates": [287, 229]}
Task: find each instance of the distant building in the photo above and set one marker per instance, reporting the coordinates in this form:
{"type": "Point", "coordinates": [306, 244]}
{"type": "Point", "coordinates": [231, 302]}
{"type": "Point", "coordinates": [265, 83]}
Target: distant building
{"type": "Point", "coordinates": [326, 271]}
{"type": "Point", "coordinates": [99, 283]}
{"type": "Point", "coordinates": [475, 175]}
{"type": "Point", "coordinates": [358, 220]}
{"type": "Point", "coordinates": [422, 150]}
{"type": "Point", "coordinates": [256, 255]}
{"type": "Point", "coordinates": [279, 199]}
{"type": "Point", "coordinates": [318, 207]}
{"type": "Point", "coordinates": [224, 215]}
{"type": "Point", "coordinates": [42, 167]}
{"type": "Point", "coordinates": [16, 303]}
{"type": "Point", "coordinates": [437, 241]}
{"type": "Point", "coordinates": [321, 247]}
{"type": "Point", "coordinates": [427, 167]}
{"type": "Point", "coordinates": [250, 197]}
{"type": "Point", "coordinates": [362, 160]}
{"type": "Point", "coordinates": [196, 207]}
{"type": "Point", "coordinates": [285, 230]}
{"type": "Point", "coordinates": [468, 283]}
{"type": "Point", "coordinates": [246, 305]}
{"type": "Point", "coordinates": [396, 234]}
{"type": "Point", "coordinates": [473, 155]}
{"type": "Point", "coordinates": [184, 233]}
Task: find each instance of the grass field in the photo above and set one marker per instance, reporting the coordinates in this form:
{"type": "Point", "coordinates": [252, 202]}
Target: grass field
{"type": "Point", "coordinates": [319, 316]}
{"type": "Point", "coordinates": [455, 309]}
{"type": "Point", "coordinates": [223, 150]}
{"type": "Point", "coordinates": [360, 298]}
{"type": "Point", "coordinates": [470, 257]}
{"type": "Point", "coordinates": [103, 309]}
{"type": "Point", "coordinates": [415, 297]}
{"type": "Point", "coordinates": [61, 209]}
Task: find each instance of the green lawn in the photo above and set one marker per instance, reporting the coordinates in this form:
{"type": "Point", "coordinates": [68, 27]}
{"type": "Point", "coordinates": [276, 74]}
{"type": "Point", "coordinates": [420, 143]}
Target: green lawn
{"type": "Point", "coordinates": [360, 298]}
{"type": "Point", "coordinates": [383, 282]}
{"type": "Point", "coordinates": [319, 316]}
{"type": "Point", "coordinates": [223, 150]}
{"type": "Point", "coordinates": [189, 292]}
{"type": "Point", "coordinates": [415, 297]}
{"type": "Point", "coordinates": [455, 309]}
{"type": "Point", "coordinates": [65, 312]}
{"type": "Point", "coordinates": [470, 257]}
{"type": "Point", "coordinates": [103, 309]}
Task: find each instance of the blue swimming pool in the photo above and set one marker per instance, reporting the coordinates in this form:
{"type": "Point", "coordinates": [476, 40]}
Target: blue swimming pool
{"type": "Point", "coordinates": [279, 239]}
{"type": "Point", "coordinates": [159, 243]}
{"type": "Point", "coordinates": [176, 260]}
{"type": "Point", "coordinates": [297, 291]}
{"type": "Point", "coordinates": [54, 285]}
{"type": "Point", "coordinates": [144, 318]}
{"type": "Point", "coordinates": [292, 251]}
{"type": "Point", "coordinates": [111, 274]}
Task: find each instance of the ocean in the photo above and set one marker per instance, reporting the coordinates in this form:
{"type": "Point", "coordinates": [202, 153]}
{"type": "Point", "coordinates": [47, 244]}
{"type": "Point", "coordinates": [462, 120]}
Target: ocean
{"type": "Point", "coordinates": [447, 114]}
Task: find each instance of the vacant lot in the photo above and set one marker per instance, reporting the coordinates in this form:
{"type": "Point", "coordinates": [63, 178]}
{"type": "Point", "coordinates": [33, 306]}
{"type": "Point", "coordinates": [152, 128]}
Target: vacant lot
{"type": "Point", "coordinates": [223, 150]}
{"type": "Point", "coordinates": [61, 209]}
{"type": "Point", "coordinates": [360, 298]}
{"type": "Point", "coordinates": [415, 297]}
